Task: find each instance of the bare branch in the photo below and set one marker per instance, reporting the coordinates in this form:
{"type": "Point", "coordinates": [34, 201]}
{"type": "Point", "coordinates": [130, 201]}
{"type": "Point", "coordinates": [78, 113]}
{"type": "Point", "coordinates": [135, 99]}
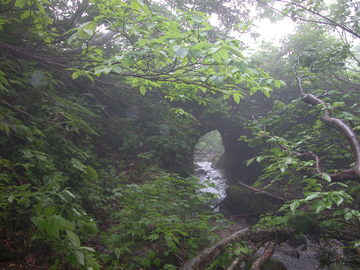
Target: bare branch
{"type": "Point", "coordinates": [267, 194]}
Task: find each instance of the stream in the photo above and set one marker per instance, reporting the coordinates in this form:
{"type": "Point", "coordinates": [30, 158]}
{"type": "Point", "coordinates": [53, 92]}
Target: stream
{"type": "Point", "coordinates": [210, 175]}
{"type": "Point", "coordinates": [291, 258]}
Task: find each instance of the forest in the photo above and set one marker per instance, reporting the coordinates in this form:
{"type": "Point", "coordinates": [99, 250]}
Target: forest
{"type": "Point", "coordinates": [104, 102]}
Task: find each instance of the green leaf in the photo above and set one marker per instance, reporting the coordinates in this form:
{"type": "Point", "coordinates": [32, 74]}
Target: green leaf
{"type": "Point", "coordinates": [80, 258]}
{"type": "Point", "coordinates": [217, 80]}
{"type": "Point", "coordinates": [197, 18]}
{"type": "Point", "coordinates": [102, 69]}
{"type": "Point", "coordinates": [75, 75]}
{"type": "Point", "coordinates": [77, 164]}
{"type": "Point", "coordinates": [142, 90]}
{"type": "Point", "coordinates": [221, 55]}
{"type": "Point", "coordinates": [73, 238]}
{"type": "Point", "coordinates": [52, 226]}
{"type": "Point", "coordinates": [91, 173]}
{"type": "Point", "coordinates": [26, 14]}
{"type": "Point", "coordinates": [348, 216]}
{"type": "Point", "coordinates": [11, 198]}
{"type": "Point", "coordinates": [118, 253]}
{"type": "Point", "coordinates": [236, 97]}
{"type": "Point", "coordinates": [326, 177]}
{"type": "Point", "coordinates": [153, 237]}
{"type": "Point", "coordinates": [313, 196]}
{"type": "Point", "coordinates": [69, 193]}
{"type": "Point", "coordinates": [135, 5]}
{"type": "Point", "coordinates": [181, 52]}
{"type": "Point", "coordinates": [88, 249]}
{"type": "Point", "coordinates": [117, 69]}
{"type": "Point", "coordinates": [250, 161]}
{"type": "Point", "coordinates": [294, 206]}
{"type": "Point", "coordinates": [20, 3]}
{"type": "Point", "coordinates": [49, 211]}
{"type": "Point", "coordinates": [201, 45]}
{"type": "Point", "coordinates": [277, 83]}
{"type": "Point", "coordinates": [337, 199]}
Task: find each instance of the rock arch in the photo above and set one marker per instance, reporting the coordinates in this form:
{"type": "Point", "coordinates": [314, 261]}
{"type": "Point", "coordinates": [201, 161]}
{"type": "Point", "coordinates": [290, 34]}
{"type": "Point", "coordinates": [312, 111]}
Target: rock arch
{"type": "Point", "coordinates": [237, 152]}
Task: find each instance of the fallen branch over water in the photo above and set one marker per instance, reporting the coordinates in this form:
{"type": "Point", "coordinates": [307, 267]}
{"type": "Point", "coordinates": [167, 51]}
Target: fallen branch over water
{"type": "Point", "coordinates": [207, 256]}
{"type": "Point", "coordinates": [267, 194]}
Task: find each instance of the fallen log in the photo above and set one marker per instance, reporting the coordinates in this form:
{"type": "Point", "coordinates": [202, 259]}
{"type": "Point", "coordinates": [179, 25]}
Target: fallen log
{"type": "Point", "coordinates": [207, 256]}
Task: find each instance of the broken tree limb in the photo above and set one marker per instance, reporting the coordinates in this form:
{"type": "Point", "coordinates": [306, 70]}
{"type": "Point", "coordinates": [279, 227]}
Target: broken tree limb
{"type": "Point", "coordinates": [268, 252]}
{"type": "Point", "coordinates": [205, 257]}
{"type": "Point", "coordinates": [267, 194]}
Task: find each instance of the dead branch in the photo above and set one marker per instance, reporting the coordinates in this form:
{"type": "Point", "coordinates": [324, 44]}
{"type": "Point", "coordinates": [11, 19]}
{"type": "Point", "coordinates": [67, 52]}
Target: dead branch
{"type": "Point", "coordinates": [205, 257]}
{"type": "Point", "coordinates": [347, 131]}
{"type": "Point", "coordinates": [267, 194]}
{"type": "Point", "coordinates": [268, 252]}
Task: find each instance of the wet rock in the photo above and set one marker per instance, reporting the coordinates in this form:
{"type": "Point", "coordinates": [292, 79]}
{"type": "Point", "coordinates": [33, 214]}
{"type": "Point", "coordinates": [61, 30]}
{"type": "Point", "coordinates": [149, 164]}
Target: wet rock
{"type": "Point", "coordinates": [292, 253]}
{"type": "Point", "coordinates": [200, 171]}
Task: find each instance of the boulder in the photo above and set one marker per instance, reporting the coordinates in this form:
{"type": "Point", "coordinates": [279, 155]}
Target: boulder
{"type": "Point", "coordinates": [271, 264]}
{"type": "Point", "coordinates": [240, 200]}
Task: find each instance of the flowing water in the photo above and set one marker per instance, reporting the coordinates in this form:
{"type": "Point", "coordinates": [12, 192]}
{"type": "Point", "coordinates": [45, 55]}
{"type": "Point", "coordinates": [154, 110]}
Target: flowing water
{"type": "Point", "coordinates": [214, 178]}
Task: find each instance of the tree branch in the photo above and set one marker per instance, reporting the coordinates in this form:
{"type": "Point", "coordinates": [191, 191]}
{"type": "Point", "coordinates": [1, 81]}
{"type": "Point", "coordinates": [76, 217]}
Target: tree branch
{"type": "Point", "coordinates": [268, 252]}
{"type": "Point", "coordinates": [347, 131]}
{"type": "Point", "coordinates": [325, 20]}
{"type": "Point", "coordinates": [267, 194]}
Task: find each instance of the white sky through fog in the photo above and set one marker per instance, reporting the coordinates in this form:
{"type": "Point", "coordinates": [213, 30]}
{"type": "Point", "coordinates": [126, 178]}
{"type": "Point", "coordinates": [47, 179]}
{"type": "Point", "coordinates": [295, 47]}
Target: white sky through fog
{"type": "Point", "coordinates": [267, 30]}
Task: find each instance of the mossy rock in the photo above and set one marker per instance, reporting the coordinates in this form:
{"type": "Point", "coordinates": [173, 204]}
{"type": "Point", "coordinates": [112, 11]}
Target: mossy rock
{"type": "Point", "coordinates": [240, 200]}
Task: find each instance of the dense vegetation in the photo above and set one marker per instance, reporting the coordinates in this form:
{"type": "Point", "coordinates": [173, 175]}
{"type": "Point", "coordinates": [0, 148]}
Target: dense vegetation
{"type": "Point", "coordinates": [102, 104]}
